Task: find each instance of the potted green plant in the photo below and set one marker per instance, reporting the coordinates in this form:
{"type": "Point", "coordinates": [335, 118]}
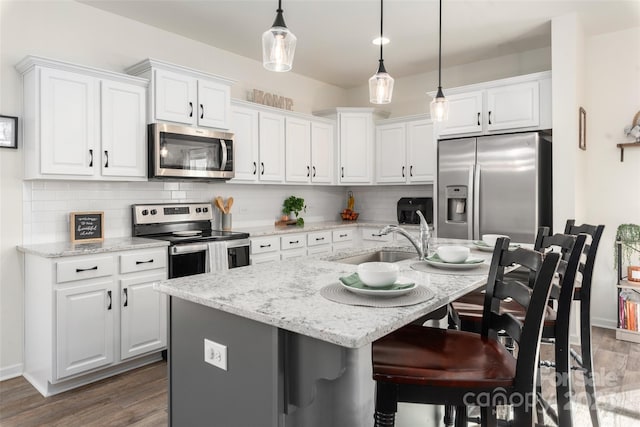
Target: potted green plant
{"type": "Point", "coordinates": [629, 237]}
{"type": "Point", "coordinates": [294, 205]}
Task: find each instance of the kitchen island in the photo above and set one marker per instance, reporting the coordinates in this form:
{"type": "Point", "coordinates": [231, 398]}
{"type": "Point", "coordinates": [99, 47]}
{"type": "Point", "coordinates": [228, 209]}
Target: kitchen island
{"type": "Point", "coordinates": [293, 358]}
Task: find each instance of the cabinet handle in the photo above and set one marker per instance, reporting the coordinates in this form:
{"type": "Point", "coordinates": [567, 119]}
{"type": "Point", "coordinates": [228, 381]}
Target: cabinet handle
{"type": "Point", "coordinates": [314, 172]}
{"type": "Point", "coordinates": [318, 239]}
{"type": "Point", "coordinates": [90, 158]}
{"type": "Point", "coordinates": [262, 166]}
{"type": "Point", "coordinates": [191, 106]}
{"type": "Point", "coordinates": [343, 235]}
{"type": "Point", "coordinates": [109, 295]}
{"type": "Point", "coordinates": [126, 298]}
{"type": "Point", "coordinates": [95, 267]}
{"type": "Point", "coordinates": [478, 119]}
{"type": "Point", "coordinates": [489, 117]}
{"type": "Point", "coordinates": [342, 171]}
{"type": "Point", "coordinates": [266, 246]}
{"type": "Point", "coordinates": [255, 168]}
{"type": "Point", "coordinates": [308, 171]}
{"type": "Point", "coordinates": [144, 262]}
{"type": "Point", "coordinates": [403, 171]}
{"type": "Point", "coordinates": [411, 170]}
{"type": "Point", "coordinates": [201, 111]}
{"type": "Point", "coordinates": [106, 155]}
{"type": "Point", "coordinates": [294, 242]}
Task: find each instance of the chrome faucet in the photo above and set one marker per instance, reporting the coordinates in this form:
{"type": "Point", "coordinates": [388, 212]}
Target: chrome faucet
{"type": "Point", "coordinates": [421, 245]}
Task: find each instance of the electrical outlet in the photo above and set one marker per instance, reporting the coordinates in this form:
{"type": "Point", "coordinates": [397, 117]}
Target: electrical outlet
{"type": "Point", "coordinates": [215, 354]}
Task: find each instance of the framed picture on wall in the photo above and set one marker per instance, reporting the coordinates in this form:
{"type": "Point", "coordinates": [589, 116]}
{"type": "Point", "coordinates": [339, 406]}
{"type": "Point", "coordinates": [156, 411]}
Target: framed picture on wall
{"type": "Point", "coordinates": [582, 129]}
{"type": "Point", "coordinates": [8, 132]}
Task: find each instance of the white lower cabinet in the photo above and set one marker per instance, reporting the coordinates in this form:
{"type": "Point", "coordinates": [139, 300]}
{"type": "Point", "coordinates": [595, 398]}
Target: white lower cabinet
{"type": "Point", "coordinates": [91, 316]}
{"type": "Point", "coordinates": [370, 235]}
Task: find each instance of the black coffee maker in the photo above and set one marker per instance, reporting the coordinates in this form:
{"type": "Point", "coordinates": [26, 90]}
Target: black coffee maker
{"type": "Point", "coordinates": [407, 207]}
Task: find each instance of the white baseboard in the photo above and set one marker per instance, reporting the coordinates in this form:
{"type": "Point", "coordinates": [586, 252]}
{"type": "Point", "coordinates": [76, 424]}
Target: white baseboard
{"type": "Point", "coordinates": [604, 322]}
{"type": "Point", "coordinates": [8, 372]}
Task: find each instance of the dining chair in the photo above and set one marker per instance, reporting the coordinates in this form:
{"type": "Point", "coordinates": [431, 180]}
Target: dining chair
{"type": "Point", "coordinates": [419, 364]}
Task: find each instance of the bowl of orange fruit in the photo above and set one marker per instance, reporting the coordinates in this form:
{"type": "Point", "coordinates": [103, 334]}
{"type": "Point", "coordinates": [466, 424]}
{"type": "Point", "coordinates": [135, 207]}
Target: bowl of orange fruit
{"type": "Point", "coordinates": [349, 215]}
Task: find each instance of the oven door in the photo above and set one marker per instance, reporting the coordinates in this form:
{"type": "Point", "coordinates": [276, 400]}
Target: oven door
{"type": "Point", "coordinates": [187, 260]}
{"type": "Point", "coordinates": [238, 253]}
{"type": "Point", "coordinates": [186, 152]}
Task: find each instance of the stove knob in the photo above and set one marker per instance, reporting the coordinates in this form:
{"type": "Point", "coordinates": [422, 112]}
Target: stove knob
{"type": "Point", "coordinates": [153, 211]}
{"type": "Point", "coordinates": [145, 212]}
{"type": "Point", "coordinates": [198, 210]}
{"type": "Point", "coordinates": [205, 209]}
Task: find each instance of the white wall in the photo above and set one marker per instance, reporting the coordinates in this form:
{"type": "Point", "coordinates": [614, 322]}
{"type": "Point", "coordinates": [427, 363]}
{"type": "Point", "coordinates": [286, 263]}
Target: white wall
{"type": "Point", "coordinates": [612, 188]}
{"type": "Point", "coordinates": [410, 93]}
{"type": "Point", "coordinates": [77, 33]}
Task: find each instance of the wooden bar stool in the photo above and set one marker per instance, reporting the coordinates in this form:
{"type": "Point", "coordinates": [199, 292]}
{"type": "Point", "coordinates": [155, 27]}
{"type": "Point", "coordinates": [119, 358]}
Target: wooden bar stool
{"type": "Point", "coordinates": [420, 364]}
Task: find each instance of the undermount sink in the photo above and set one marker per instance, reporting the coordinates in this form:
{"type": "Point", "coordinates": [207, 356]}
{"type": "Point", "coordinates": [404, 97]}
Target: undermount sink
{"type": "Point", "coordinates": [378, 256]}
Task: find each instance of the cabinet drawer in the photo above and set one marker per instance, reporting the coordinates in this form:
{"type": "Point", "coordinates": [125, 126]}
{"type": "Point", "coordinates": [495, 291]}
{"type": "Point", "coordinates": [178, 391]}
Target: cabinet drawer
{"type": "Point", "coordinates": [265, 244]}
{"type": "Point", "coordinates": [143, 260]}
{"type": "Point", "coordinates": [320, 250]}
{"type": "Point", "coordinates": [264, 258]}
{"type": "Point", "coordinates": [319, 238]}
{"type": "Point", "coordinates": [372, 234]}
{"type": "Point", "coordinates": [293, 253]}
{"type": "Point", "coordinates": [86, 268]}
{"type": "Point", "coordinates": [342, 235]}
{"type": "Point", "coordinates": [292, 241]}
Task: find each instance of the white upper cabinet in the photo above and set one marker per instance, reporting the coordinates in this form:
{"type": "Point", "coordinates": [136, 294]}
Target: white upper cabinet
{"type": "Point", "coordinates": [183, 95]}
{"type": "Point", "coordinates": [271, 147]}
{"type": "Point", "coordinates": [82, 123]}
{"type": "Point", "coordinates": [123, 130]}
{"type": "Point", "coordinates": [244, 125]}
{"type": "Point", "coordinates": [514, 104]}
{"type": "Point", "coordinates": [405, 152]}
{"type": "Point", "coordinates": [356, 147]}
{"type": "Point", "coordinates": [298, 150]}
{"type": "Point", "coordinates": [322, 149]}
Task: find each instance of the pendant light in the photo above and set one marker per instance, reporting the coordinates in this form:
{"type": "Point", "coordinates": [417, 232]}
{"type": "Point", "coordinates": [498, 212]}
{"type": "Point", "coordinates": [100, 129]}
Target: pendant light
{"type": "Point", "coordinates": [440, 105]}
{"type": "Point", "coordinates": [278, 45]}
{"type": "Point", "coordinates": [381, 83]}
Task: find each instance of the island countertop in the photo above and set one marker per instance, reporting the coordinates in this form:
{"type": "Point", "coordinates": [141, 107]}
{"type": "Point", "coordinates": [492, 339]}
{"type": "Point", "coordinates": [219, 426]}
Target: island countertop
{"type": "Point", "coordinates": [285, 294]}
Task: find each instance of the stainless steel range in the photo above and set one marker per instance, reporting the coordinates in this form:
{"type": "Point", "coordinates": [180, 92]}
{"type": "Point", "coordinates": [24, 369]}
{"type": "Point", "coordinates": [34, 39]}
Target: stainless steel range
{"type": "Point", "coordinates": [193, 242]}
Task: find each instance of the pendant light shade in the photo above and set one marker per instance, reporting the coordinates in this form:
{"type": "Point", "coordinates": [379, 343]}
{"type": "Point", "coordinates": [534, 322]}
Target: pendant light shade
{"type": "Point", "coordinates": [278, 45]}
{"type": "Point", "coordinates": [381, 83]}
{"type": "Point", "coordinates": [440, 104]}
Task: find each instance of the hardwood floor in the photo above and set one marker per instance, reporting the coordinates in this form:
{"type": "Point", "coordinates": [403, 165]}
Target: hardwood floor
{"type": "Point", "coordinates": [139, 397]}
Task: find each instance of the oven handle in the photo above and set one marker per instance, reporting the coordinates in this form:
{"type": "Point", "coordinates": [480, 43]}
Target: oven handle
{"type": "Point", "coordinates": [187, 249]}
{"type": "Point", "coordinates": [237, 243]}
{"type": "Point", "coordinates": [223, 164]}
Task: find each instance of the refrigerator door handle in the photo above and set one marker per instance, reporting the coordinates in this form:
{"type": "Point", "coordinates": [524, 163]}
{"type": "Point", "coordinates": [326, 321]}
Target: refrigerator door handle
{"type": "Point", "coordinates": [471, 204]}
{"type": "Point", "coordinates": [476, 204]}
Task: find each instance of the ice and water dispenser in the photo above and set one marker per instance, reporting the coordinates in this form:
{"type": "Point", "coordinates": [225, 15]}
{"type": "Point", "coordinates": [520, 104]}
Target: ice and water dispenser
{"type": "Point", "coordinates": [456, 203]}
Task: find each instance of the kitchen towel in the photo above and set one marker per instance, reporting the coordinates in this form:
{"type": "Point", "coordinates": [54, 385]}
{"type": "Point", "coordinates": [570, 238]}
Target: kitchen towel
{"type": "Point", "coordinates": [337, 293]}
{"type": "Point", "coordinates": [218, 259]}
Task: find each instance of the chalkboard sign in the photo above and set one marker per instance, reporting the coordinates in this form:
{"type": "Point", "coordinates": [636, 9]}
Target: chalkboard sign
{"type": "Point", "coordinates": [86, 227]}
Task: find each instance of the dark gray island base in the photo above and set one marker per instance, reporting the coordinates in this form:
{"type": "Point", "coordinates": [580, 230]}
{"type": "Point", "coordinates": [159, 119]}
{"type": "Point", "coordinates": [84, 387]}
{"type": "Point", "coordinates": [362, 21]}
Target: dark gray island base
{"type": "Point", "coordinates": [294, 358]}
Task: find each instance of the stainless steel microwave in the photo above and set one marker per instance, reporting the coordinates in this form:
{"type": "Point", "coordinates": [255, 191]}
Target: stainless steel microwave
{"type": "Point", "coordinates": [184, 152]}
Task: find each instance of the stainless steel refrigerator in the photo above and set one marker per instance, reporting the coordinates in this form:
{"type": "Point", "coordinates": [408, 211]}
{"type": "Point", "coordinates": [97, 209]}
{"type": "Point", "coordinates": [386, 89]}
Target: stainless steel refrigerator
{"type": "Point", "coordinates": [499, 184]}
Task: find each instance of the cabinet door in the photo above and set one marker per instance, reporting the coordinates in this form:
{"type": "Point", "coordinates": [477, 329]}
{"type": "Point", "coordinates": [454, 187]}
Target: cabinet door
{"type": "Point", "coordinates": [175, 97]}
{"type": "Point", "coordinates": [513, 106]}
{"type": "Point", "coordinates": [421, 151]}
{"type": "Point", "coordinates": [244, 125]}
{"type": "Point", "coordinates": [271, 147]}
{"type": "Point", "coordinates": [391, 153]}
{"type": "Point", "coordinates": [123, 130]}
{"type": "Point", "coordinates": [69, 123]}
{"type": "Point", "coordinates": [143, 316]}
{"type": "Point", "coordinates": [322, 146]}
{"type": "Point", "coordinates": [84, 327]}
{"type": "Point", "coordinates": [356, 147]}
{"type": "Point", "coordinates": [213, 104]}
{"type": "Point", "coordinates": [298, 150]}
{"type": "Point", "coordinates": [465, 114]}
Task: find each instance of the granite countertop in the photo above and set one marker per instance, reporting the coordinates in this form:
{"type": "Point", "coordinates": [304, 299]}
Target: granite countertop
{"type": "Point", "coordinates": [286, 294]}
{"type": "Point", "coordinates": [270, 230]}
{"type": "Point", "coordinates": [62, 249]}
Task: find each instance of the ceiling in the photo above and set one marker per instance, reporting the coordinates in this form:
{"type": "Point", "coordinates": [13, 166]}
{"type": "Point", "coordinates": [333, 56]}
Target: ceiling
{"type": "Point", "coordinates": [334, 37]}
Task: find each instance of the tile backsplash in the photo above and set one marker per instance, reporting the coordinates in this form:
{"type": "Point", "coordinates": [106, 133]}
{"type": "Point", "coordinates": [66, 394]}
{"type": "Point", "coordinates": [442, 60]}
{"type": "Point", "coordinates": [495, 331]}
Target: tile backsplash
{"type": "Point", "coordinates": [47, 204]}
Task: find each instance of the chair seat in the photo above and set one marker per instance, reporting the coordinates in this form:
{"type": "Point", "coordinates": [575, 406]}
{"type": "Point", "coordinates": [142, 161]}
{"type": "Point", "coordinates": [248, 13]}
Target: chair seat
{"type": "Point", "coordinates": [469, 309]}
{"type": "Point", "coordinates": [444, 358]}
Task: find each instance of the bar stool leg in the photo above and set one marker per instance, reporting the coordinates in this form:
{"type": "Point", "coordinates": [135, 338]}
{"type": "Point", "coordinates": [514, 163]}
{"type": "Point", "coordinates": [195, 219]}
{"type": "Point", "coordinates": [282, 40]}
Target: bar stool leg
{"type": "Point", "coordinates": [587, 360]}
{"type": "Point", "coordinates": [563, 375]}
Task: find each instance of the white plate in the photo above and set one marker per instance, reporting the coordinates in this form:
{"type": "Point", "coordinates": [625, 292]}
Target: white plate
{"type": "Point", "coordinates": [382, 292]}
{"type": "Point", "coordinates": [482, 246]}
{"type": "Point", "coordinates": [467, 265]}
